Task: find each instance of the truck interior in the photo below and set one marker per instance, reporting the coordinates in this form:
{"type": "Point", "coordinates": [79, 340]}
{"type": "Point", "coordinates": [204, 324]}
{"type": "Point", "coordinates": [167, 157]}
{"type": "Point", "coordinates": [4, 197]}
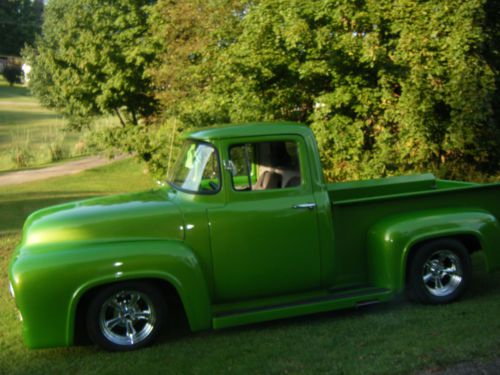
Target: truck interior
{"type": "Point", "coordinates": [265, 165]}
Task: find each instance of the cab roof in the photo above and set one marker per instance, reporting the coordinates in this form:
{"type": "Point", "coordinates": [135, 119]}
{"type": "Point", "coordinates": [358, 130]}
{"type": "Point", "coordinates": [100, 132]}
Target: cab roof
{"type": "Point", "coordinates": [253, 129]}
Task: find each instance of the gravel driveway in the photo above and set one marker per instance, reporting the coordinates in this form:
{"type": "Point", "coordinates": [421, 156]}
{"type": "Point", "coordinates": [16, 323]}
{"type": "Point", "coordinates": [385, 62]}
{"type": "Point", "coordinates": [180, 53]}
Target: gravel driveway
{"type": "Point", "coordinates": [71, 167]}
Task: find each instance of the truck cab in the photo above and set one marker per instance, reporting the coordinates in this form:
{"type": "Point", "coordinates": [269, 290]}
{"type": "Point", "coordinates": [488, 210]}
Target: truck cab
{"type": "Point", "coordinates": [267, 213]}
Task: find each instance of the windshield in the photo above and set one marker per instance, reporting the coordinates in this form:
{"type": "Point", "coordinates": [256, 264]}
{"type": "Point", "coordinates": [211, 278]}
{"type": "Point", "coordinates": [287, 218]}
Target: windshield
{"type": "Point", "coordinates": [197, 169]}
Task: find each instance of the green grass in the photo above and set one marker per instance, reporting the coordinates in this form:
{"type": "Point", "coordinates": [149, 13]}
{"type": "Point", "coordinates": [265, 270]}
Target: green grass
{"type": "Point", "coordinates": [394, 338]}
{"type": "Point", "coordinates": [22, 119]}
{"type": "Point", "coordinates": [18, 201]}
{"type": "Point", "coordinates": [14, 93]}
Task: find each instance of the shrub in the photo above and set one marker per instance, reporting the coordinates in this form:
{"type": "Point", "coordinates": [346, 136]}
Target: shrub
{"type": "Point", "coordinates": [21, 156]}
{"type": "Point", "coordinates": [54, 140]}
{"type": "Point", "coordinates": [21, 153]}
{"type": "Point", "coordinates": [57, 151]}
{"type": "Point", "coordinates": [155, 145]}
{"type": "Point", "coordinates": [80, 148]}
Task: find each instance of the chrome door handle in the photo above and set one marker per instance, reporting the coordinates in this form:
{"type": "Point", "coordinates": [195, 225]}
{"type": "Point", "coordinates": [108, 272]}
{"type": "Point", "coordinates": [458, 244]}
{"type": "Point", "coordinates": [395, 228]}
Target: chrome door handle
{"type": "Point", "coordinates": [308, 206]}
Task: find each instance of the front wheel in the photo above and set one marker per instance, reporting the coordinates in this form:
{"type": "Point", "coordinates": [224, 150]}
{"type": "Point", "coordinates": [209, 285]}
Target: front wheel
{"type": "Point", "coordinates": [439, 272]}
{"type": "Point", "coordinates": [125, 316]}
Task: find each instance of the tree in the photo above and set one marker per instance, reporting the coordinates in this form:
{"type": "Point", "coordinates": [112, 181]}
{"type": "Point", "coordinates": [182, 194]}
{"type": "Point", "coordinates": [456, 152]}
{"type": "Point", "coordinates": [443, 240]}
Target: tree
{"type": "Point", "coordinates": [191, 37]}
{"type": "Point", "coordinates": [445, 110]}
{"type": "Point", "coordinates": [491, 51]}
{"type": "Point", "coordinates": [20, 21]}
{"type": "Point", "coordinates": [91, 59]}
{"type": "Point", "coordinates": [388, 86]}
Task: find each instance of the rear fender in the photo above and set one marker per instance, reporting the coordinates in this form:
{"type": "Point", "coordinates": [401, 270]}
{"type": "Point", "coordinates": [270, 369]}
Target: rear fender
{"type": "Point", "coordinates": [390, 240]}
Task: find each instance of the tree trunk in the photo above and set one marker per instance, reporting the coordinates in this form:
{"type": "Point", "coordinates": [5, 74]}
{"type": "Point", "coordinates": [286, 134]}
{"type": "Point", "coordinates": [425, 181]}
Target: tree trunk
{"type": "Point", "coordinates": [117, 111]}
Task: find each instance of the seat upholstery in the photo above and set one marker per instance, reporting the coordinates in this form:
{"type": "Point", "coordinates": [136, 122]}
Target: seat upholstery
{"type": "Point", "coordinates": [292, 182]}
{"type": "Point", "coordinates": [268, 180]}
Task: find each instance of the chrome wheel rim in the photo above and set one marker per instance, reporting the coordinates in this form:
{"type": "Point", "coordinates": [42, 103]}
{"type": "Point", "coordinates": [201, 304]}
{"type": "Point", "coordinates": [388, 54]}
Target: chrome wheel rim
{"type": "Point", "coordinates": [442, 273]}
{"type": "Point", "coordinates": [127, 318]}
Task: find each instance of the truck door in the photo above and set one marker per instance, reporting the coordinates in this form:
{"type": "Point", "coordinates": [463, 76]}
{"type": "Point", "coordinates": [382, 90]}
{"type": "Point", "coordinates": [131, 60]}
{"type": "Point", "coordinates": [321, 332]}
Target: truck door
{"type": "Point", "coordinates": [265, 239]}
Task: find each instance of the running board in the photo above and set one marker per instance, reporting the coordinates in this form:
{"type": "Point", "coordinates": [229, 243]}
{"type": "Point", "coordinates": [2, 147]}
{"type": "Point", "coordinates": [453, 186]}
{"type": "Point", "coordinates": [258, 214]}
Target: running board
{"type": "Point", "coordinates": [332, 301]}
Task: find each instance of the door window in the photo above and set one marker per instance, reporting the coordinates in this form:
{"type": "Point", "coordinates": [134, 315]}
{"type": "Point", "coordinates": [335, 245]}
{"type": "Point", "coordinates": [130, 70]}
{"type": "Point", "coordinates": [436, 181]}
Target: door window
{"type": "Point", "coordinates": [265, 165]}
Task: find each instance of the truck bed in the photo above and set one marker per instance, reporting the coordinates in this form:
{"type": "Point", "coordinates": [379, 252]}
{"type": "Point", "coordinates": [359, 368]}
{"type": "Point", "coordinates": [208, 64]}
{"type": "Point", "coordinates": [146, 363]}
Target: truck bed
{"type": "Point", "coordinates": [358, 206]}
{"type": "Point", "coordinates": [354, 190]}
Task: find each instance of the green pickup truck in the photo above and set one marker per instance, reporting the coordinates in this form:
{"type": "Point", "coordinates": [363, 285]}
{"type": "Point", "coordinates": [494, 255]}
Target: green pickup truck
{"type": "Point", "coordinates": [246, 230]}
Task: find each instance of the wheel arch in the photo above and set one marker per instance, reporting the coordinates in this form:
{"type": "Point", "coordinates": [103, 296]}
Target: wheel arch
{"type": "Point", "coordinates": [177, 273]}
{"type": "Point", "coordinates": [394, 241]}
{"type": "Point", "coordinates": [80, 335]}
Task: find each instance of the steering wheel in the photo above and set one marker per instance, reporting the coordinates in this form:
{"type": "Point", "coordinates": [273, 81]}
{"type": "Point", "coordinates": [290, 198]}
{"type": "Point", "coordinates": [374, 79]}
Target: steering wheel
{"type": "Point", "coordinates": [213, 185]}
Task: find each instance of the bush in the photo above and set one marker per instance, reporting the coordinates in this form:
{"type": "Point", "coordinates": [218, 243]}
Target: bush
{"type": "Point", "coordinates": [21, 156]}
{"type": "Point", "coordinates": [21, 153]}
{"type": "Point", "coordinates": [57, 151]}
{"type": "Point", "coordinates": [155, 145]}
{"type": "Point", "coordinates": [80, 148]}
{"type": "Point", "coordinates": [12, 73]}
{"type": "Point", "coordinates": [54, 140]}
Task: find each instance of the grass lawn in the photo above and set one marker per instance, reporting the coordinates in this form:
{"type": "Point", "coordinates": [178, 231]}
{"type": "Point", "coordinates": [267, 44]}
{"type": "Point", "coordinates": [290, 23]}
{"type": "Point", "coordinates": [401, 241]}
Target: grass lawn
{"type": "Point", "coordinates": [395, 338]}
{"type": "Point", "coordinates": [18, 201]}
{"type": "Point", "coordinates": [22, 120]}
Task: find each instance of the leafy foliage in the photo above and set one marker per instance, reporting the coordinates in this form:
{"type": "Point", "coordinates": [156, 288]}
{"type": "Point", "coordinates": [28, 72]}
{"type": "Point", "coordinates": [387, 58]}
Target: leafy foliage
{"type": "Point", "coordinates": [192, 38]}
{"type": "Point", "coordinates": [21, 152]}
{"type": "Point", "coordinates": [389, 86]}
{"type": "Point", "coordinates": [445, 110]}
{"type": "Point", "coordinates": [20, 21]}
{"type": "Point", "coordinates": [155, 145]}
{"type": "Point", "coordinates": [91, 60]}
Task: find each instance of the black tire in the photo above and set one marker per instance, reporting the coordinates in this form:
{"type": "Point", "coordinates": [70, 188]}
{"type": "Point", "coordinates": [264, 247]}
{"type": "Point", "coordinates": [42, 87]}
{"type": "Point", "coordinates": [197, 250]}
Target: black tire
{"type": "Point", "coordinates": [126, 316]}
{"type": "Point", "coordinates": [439, 272]}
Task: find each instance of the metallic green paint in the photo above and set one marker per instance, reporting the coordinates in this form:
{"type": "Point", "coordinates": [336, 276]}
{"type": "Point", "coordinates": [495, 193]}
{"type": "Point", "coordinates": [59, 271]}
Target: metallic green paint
{"type": "Point", "coordinates": [104, 219]}
{"type": "Point", "coordinates": [277, 232]}
{"type": "Point", "coordinates": [315, 304]}
{"type": "Point", "coordinates": [48, 308]}
{"type": "Point", "coordinates": [392, 238]}
{"type": "Point", "coordinates": [238, 257]}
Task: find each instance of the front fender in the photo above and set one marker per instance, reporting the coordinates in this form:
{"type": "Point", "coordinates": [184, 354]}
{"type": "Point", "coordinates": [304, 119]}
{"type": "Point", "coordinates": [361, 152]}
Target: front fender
{"type": "Point", "coordinates": [390, 240]}
{"type": "Point", "coordinates": [49, 286]}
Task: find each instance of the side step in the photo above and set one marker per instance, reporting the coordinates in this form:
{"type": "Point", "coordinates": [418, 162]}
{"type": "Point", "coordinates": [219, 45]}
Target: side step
{"type": "Point", "coordinates": [339, 299]}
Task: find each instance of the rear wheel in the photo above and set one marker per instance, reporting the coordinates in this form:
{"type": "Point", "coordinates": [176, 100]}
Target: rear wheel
{"type": "Point", "coordinates": [125, 316]}
{"type": "Point", "coordinates": [439, 272]}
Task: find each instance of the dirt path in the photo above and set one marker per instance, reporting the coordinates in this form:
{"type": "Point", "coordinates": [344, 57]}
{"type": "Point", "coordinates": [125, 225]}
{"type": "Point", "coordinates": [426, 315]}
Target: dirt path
{"type": "Point", "coordinates": [72, 167]}
{"type": "Point", "coordinates": [18, 103]}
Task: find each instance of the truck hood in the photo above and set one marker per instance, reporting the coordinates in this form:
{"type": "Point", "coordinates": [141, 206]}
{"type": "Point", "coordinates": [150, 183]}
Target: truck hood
{"type": "Point", "coordinates": [126, 217]}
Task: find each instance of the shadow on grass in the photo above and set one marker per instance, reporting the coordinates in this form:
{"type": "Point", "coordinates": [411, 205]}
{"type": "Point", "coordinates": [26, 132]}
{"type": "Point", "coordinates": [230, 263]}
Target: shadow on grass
{"type": "Point", "coordinates": [176, 332]}
{"type": "Point", "coordinates": [483, 286]}
{"type": "Point", "coordinates": [8, 92]}
{"type": "Point", "coordinates": [11, 118]}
